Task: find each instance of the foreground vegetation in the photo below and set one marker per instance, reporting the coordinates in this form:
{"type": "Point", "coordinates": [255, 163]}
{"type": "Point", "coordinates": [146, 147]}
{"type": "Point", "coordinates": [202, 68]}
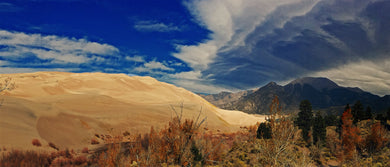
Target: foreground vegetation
{"type": "Point", "coordinates": [305, 140]}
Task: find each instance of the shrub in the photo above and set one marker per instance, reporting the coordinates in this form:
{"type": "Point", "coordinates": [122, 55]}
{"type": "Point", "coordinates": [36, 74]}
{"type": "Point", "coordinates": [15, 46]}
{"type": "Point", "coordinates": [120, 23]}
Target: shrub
{"type": "Point", "coordinates": [126, 133]}
{"type": "Point", "coordinates": [376, 139]}
{"type": "Point", "coordinates": [25, 158]}
{"type": "Point", "coordinates": [85, 150]}
{"type": "Point", "coordinates": [36, 142]}
{"type": "Point", "coordinates": [52, 145]}
{"type": "Point", "coordinates": [94, 141]}
{"type": "Point", "coordinates": [80, 160]}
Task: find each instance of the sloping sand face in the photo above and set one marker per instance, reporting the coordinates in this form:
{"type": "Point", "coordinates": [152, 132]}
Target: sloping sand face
{"type": "Point", "coordinates": [68, 109]}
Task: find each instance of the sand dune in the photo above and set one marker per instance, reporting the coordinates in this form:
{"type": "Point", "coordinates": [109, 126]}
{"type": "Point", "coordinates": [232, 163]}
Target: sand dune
{"type": "Point", "coordinates": [69, 108]}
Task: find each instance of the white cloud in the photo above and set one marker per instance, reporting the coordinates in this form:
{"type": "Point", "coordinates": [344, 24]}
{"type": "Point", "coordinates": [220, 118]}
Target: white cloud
{"type": "Point", "coordinates": [371, 76]}
{"type": "Point", "coordinates": [193, 81]}
{"type": "Point", "coordinates": [190, 75]}
{"type": "Point", "coordinates": [135, 58]}
{"type": "Point", "coordinates": [197, 57]}
{"type": "Point", "coordinates": [55, 48]}
{"type": "Point", "coordinates": [153, 26]}
{"type": "Point", "coordinates": [152, 66]}
{"type": "Point", "coordinates": [198, 87]}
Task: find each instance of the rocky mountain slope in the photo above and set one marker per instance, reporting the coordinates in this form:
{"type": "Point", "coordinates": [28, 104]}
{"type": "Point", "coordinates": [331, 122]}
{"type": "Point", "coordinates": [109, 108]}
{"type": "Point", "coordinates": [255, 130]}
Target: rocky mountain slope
{"type": "Point", "coordinates": [226, 99]}
{"type": "Point", "coordinates": [323, 93]}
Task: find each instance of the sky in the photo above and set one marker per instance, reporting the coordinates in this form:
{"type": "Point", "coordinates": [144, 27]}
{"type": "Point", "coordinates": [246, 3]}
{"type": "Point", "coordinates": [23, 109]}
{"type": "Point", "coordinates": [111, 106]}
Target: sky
{"type": "Point", "coordinates": [205, 46]}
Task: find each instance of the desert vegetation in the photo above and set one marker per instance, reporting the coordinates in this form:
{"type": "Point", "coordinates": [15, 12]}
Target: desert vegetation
{"type": "Point", "coordinates": [306, 139]}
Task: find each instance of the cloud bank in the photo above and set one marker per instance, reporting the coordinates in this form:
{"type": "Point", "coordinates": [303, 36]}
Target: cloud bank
{"type": "Point", "coordinates": [257, 41]}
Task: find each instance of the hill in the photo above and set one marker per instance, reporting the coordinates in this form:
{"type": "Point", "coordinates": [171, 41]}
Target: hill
{"type": "Point", "coordinates": [68, 109]}
{"type": "Point", "coordinates": [323, 93]}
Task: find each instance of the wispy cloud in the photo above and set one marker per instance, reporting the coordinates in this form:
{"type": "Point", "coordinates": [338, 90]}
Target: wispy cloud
{"type": "Point", "coordinates": [373, 76]}
{"type": "Point", "coordinates": [152, 66]}
{"type": "Point", "coordinates": [53, 49]}
{"type": "Point", "coordinates": [135, 58]}
{"type": "Point", "coordinates": [154, 26]}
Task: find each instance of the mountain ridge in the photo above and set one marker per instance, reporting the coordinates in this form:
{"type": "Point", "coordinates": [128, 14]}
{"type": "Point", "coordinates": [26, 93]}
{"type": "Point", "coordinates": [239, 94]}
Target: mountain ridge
{"type": "Point", "coordinates": [323, 93]}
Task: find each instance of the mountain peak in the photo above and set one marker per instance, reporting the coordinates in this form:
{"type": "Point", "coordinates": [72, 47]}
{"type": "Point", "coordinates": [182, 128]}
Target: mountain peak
{"type": "Point", "coordinates": [318, 83]}
{"type": "Point", "coordinates": [271, 84]}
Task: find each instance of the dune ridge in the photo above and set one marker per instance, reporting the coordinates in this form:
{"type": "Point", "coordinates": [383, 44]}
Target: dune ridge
{"type": "Point", "coordinates": [68, 109]}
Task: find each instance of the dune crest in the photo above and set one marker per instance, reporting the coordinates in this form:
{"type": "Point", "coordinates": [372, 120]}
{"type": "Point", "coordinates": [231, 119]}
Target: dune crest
{"type": "Point", "coordinates": [68, 109]}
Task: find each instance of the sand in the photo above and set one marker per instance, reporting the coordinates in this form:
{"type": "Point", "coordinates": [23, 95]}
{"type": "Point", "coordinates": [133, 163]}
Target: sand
{"type": "Point", "coordinates": [68, 109]}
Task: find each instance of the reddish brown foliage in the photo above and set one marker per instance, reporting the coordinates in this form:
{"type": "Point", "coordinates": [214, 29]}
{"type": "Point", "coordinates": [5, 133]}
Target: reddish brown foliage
{"type": "Point", "coordinates": [376, 139]}
{"type": "Point", "coordinates": [80, 160]}
{"type": "Point", "coordinates": [36, 142]}
{"type": "Point", "coordinates": [350, 134]}
{"type": "Point", "coordinates": [32, 158]}
{"type": "Point", "coordinates": [27, 158]}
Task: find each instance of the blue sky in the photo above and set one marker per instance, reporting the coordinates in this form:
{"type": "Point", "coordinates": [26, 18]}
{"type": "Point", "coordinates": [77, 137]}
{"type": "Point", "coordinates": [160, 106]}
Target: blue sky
{"type": "Point", "coordinates": [202, 45]}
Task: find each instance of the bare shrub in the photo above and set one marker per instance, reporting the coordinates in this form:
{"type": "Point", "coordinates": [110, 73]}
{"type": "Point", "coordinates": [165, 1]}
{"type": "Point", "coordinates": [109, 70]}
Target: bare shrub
{"type": "Point", "coordinates": [278, 151]}
{"type": "Point", "coordinates": [36, 142]}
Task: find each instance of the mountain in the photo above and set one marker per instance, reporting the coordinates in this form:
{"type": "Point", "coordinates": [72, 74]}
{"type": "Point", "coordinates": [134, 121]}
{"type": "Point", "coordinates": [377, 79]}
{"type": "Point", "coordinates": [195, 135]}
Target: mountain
{"type": "Point", "coordinates": [323, 94]}
{"type": "Point", "coordinates": [69, 109]}
{"type": "Point", "coordinates": [225, 99]}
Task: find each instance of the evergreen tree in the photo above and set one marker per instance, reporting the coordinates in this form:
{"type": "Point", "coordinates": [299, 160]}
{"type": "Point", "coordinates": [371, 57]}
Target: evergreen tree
{"type": "Point", "coordinates": [367, 114]}
{"type": "Point", "coordinates": [347, 107]}
{"type": "Point", "coordinates": [357, 111]}
{"type": "Point", "coordinates": [388, 114]}
{"type": "Point", "coordinates": [264, 131]}
{"type": "Point", "coordinates": [319, 129]}
{"type": "Point", "coordinates": [331, 120]}
{"type": "Point", "coordinates": [305, 117]}
{"type": "Point", "coordinates": [381, 118]}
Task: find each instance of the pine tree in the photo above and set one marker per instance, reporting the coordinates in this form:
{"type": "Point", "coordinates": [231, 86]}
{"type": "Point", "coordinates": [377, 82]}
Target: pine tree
{"type": "Point", "coordinates": [367, 114]}
{"type": "Point", "coordinates": [357, 111]}
{"type": "Point", "coordinates": [381, 118]}
{"type": "Point", "coordinates": [331, 120]}
{"type": "Point", "coordinates": [319, 129]}
{"type": "Point", "coordinates": [264, 131]}
{"type": "Point", "coordinates": [305, 117]}
{"type": "Point", "coordinates": [388, 114]}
